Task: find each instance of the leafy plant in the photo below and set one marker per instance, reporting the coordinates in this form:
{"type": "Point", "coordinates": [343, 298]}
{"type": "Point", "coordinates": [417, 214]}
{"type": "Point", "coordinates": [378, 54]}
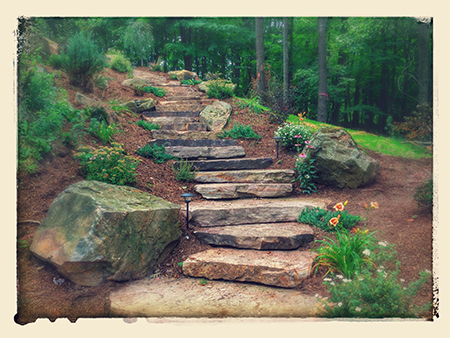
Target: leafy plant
{"type": "Point", "coordinates": [190, 82]}
{"type": "Point", "coordinates": [102, 130]}
{"type": "Point", "coordinates": [220, 89]}
{"type": "Point", "coordinates": [424, 195]}
{"type": "Point", "coordinates": [185, 172]}
{"type": "Point", "coordinates": [321, 218]}
{"type": "Point", "coordinates": [158, 153]}
{"type": "Point", "coordinates": [147, 125]}
{"type": "Point", "coordinates": [240, 131]}
{"type": "Point", "coordinates": [160, 92]}
{"type": "Point", "coordinates": [108, 164]}
{"type": "Point", "coordinates": [306, 173]}
{"type": "Point", "coordinates": [252, 104]}
{"type": "Point", "coordinates": [293, 135]}
{"type": "Point", "coordinates": [57, 61]}
{"type": "Point", "coordinates": [120, 63]}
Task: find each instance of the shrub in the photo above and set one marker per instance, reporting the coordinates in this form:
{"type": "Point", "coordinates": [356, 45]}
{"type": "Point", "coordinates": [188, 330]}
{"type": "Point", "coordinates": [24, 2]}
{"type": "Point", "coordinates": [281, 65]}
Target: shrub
{"type": "Point", "coordinates": [102, 130]}
{"type": "Point", "coordinates": [289, 131]}
{"type": "Point", "coordinates": [120, 63]}
{"type": "Point", "coordinates": [251, 104]}
{"type": "Point", "coordinates": [190, 82]}
{"type": "Point", "coordinates": [147, 125]}
{"type": "Point", "coordinates": [220, 89]}
{"type": "Point", "coordinates": [83, 60]}
{"type": "Point", "coordinates": [424, 195]}
{"type": "Point", "coordinates": [158, 153]}
{"type": "Point", "coordinates": [160, 92]}
{"type": "Point", "coordinates": [108, 164]}
{"type": "Point", "coordinates": [418, 126]}
{"type": "Point", "coordinates": [321, 218]}
{"type": "Point", "coordinates": [57, 60]}
{"type": "Point", "coordinates": [240, 131]}
{"type": "Point", "coordinates": [185, 171]}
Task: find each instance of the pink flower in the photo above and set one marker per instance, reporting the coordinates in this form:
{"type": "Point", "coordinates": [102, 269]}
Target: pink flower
{"type": "Point", "coordinates": [298, 145]}
{"type": "Point", "coordinates": [298, 136]}
{"type": "Point", "coordinates": [307, 142]}
{"type": "Point", "coordinates": [302, 155]}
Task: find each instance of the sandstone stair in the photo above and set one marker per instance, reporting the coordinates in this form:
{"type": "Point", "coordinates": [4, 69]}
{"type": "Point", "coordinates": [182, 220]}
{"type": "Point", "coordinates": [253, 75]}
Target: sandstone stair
{"type": "Point", "coordinates": [246, 214]}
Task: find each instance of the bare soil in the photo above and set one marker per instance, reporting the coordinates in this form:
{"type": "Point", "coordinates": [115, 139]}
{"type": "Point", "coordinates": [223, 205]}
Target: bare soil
{"type": "Point", "coordinates": [398, 220]}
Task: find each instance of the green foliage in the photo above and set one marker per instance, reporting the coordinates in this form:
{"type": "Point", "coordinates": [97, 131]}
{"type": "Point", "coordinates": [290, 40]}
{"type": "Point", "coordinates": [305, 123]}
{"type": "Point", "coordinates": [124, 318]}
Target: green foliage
{"type": "Point", "coordinates": [252, 104]}
{"type": "Point", "coordinates": [418, 126]}
{"type": "Point", "coordinates": [147, 125]}
{"type": "Point", "coordinates": [289, 131]}
{"type": "Point", "coordinates": [185, 172]}
{"type": "Point", "coordinates": [240, 131]}
{"type": "Point", "coordinates": [220, 89]}
{"type": "Point", "coordinates": [84, 60]}
{"type": "Point", "coordinates": [374, 295]}
{"type": "Point", "coordinates": [306, 173]}
{"type": "Point", "coordinates": [108, 164]}
{"type": "Point", "coordinates": [190, 82]}
{"type": "Point", "coordinates": [102, 130]}
{"type": "Point", "coordinates": [120, 63]}
{"type": "Point", "coordinates": [158, 153]}
{"type": "Point", "coordinates": [137, 40]}
{"type": "Point", "coordinates": [160, 92]}
{"type": "Point", "coordinates": [57, 61]}
{"type": "Point", "coordinates": [424, 195]}
{"type": "Point", "coordinates": [321, 218]}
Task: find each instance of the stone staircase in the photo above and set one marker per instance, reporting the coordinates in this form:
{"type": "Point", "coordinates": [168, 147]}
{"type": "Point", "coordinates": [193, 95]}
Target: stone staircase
{"type": "Point", "coordinates": [246, 214]}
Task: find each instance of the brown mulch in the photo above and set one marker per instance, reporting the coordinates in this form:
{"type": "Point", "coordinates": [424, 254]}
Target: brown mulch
{"type": "Point", "coordinates": [398, 220]}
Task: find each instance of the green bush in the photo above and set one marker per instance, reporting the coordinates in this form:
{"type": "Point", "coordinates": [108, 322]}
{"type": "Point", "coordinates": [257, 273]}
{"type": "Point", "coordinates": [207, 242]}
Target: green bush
{"type": "Point", "coordinates": [424, 195]}
{"type": "Point", "coordinates": [158, 153]}
{"type": "Point", "coordinates": [220, 89]}
{"type": "Point", "coordinates": [252, 104]}
{"type": "Point", "coordinates": [120, 63]}
{"type": "Point", "coordinates": [108, 164]}
{"type": "Point", "coordinates": [160, 92]}
{"type": "Point", "coordinates": [240, 131]}
{"type": "Point", "coordinates": [102, 130]}
{"type": "Point", "coordinates": [321, 218]}
{"type": "Point", "coordinates": [288, 133]}
{"type": "Point", "coordinates": [190, 82]}
{"type": "Point", "coordinates": [57, 61]}
{"type": "Point", "coordinates": [83, 60]}
{"type": "Point", "coordinates": [147, 125]}
{"type": "Point", "coordinates": [185, 171]}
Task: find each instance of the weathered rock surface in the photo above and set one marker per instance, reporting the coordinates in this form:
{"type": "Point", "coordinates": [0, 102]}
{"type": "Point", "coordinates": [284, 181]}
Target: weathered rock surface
{"type": "Point", "coordinates": [187, 298]}
{"type": "Point", "coordinates": [95, 231]}
{"type": "Point", "coordinates": [86, 101]}
{"type": "Point", "coordinates": [194, 143]}
{"type": "Point", "coordinates": [155, 113]}
{"type": "Point", "coordinates": [136, 82]}
{"type": "Point", "coordinates": [144, 105]}
{"type": "Point", "coordinates": [183, 74]}
{"type": "Point", "coordinates": [267, 236]}
{"type": "Point", "coordinates": [243, 190]}
{"type": "Point", "coordinates": [338, 160]}
{"type": "Point", "coordinates": [232, 164]}
{"type": "Point", "coordinates": [183, 135]}
{"type": "Point", "coordinates": [206, 152]}
{"type": "Point", "coordinates": [236, 212]}
{"type": "Point", "coordinates": [245, 176]}
{"type": "Point", "coordinates": [216, 115]}
{"type": "Point", "coordinates": [285, 269]}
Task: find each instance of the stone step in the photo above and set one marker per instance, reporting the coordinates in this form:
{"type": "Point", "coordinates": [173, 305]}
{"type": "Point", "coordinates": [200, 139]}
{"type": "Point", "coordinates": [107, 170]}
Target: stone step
{"type": "Point", "coordinates": [246, 176]}
{"type": "Point", "coordinates": [184, 135]}
{"type": "Point", "coordinates": [285, 269]}
{"type": "Point", "coordinates": [243, 190]}
{"type": "Point", "coordinates": [183, 102]}
{"type": "Point", "coordinates": [232, 164]}
{"type": "Point", "coordinates": [183, 98]}
{"type": "Point", "coordinates": [266, 236]}
{"type": "Point", "coordinates": [163, 120]}
{"type": "Point", "coordinates": [180, 107]}
{"type": "Point", "coordinates": [186, 113]}
{"type": "Point", "coordinates": [206, 152]}
{"type": "Point", "coordinates": [250, 211]}
{"type": "Point", "coordinates": [194, 143]}
{"type": "Point", "coordinates": [193, 126]}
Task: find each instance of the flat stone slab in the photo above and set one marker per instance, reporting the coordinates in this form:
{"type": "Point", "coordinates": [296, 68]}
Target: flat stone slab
{"type": "Point", "coordinates": [191, 126]}
{"type": "Point", "coordinates": [233, 164]}
{"type": "Point", "coordinates": [163, 120]}
{"type": "Point", "coordinates": [246, 176]}
{"type": "Point", "coordinates": [188, 113]}
{"type": "Point", "coordinates": [206, 152]}
{"type": "Point", "coordinates": [243, 190]}
{"type": "Point", "coordinates": [249, 211]}
{"type": "Point", "coordinates": [194, 143]}
{"type": "Point", "coordinates": [285, 269]}
{"type": "Point", "coordinates": [186, 298]}
{"type": "Point", "coordinates": [185, 135]}
{"type": "Point", "coordinates": [268, 236]}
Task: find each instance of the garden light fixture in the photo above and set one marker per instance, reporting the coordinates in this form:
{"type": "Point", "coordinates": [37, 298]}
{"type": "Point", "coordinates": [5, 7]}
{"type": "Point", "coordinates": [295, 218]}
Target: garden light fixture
{"type": "Point", "coordinates": [187, 198]}
{"type": "Point", "coordinates": [138, 103]}
{"type": "Point", "coordinates": [277, 139]}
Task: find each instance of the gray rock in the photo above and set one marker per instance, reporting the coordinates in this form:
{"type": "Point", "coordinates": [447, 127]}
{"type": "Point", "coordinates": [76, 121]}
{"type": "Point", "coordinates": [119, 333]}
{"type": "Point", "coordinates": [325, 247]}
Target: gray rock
{"type": "Point", "coordinates": [216, 115]}
{"type": "Point", "coordinates": [86, 101]}
{"type": "Point", "coordinates": [232, 164]}
{"type": "Point", "coordinates": [245, 176]}
{"type": "Point", "coordinates": [183, 74]}
{"type": "Point", "coordinates": [144, 105]}
{"type": "Point", "coordinates": [243, 190]}
{"type": "Point", "coordinates": [268, 236]}
{"type": "Point", "coordinates": [285, 269]}
{"type": "Point", "coordinates": [194, 143]}
{"type": "Point", "coordinates": [339, 161]}
{"type": "Point", "coordinates": [95, 231]}
{"type": "Point", "coordinates": [136, 82]}
{"type": "Point", "coordinates": [206, 152]}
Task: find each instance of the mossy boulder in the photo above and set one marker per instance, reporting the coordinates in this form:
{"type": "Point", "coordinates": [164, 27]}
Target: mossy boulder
{"type": "Point", "coordinates": [147, 104]}
{"type": "Point", "coordinates": [136, 83]}
{"type": "Point", "coordinates": [338, 160]}
{"type": "Point", "coordinates": [216, 116]}
{"type": "Point", "coordinates": [95, 231]}
{"type": "Point", "coordinates": [183, 75]}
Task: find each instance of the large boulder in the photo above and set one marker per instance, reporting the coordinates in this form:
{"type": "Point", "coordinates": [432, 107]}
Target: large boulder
{"type": "Point", "coordinates": [135, 83]}
{"type": "Point", "coordinates": [95, 231]}
{"type": "Point", "coordinates": [216, 116]}
{"type": "Point", "coordinates": [338, 160]}
{"type": "Point", "coordinates": [144, 105]}
{"type": "Point", "coordinates": [183, 74]}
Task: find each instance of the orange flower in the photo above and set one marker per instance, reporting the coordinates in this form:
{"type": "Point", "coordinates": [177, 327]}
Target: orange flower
{"type": "Point", "coordinates": [340, 206]}
{"type": "Point", "coordinates": [335, 220]}
{"type": "Point", "coordinates": [374, 205]}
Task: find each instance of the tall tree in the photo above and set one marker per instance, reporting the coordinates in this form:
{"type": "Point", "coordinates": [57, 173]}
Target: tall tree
{"type": "Point", "coordinates": [323, 94]}
{"type": "Point", "coordinates": [424, 65]}
{"type": "Point", "coordinates": [260, 69]}
{"type": "Point", "coordinates": [285, 59]}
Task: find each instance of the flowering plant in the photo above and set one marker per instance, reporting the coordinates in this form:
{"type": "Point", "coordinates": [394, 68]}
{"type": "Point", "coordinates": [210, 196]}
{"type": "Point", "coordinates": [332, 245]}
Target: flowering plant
{"type": "Point", "coordinates": [293, 135]}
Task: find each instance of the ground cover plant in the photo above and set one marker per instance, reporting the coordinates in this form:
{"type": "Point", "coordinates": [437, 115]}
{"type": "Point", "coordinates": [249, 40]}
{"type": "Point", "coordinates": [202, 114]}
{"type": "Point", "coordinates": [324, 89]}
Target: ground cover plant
{"type": "Point", "coordinates": [147, 125]}
{"type": "Point", "coordinates": [157, 153]}
{"type": "Point", "coordinates": [160, 92]}
{"type": "Point", "coordinates": [219, 89]}
{"type": "Point", "coordinates": [240, 131]}
{"type": "Point", "coordinates": [185, 171]}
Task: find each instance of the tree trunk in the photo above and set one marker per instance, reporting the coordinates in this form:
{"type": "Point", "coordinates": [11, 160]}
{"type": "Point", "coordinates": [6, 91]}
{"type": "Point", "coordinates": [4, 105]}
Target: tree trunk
{"type": "Point", "coordinates": [323, 94]}
{"type": "Point", "coordinates": [424, 65]}
{"type": "Point", "coordinates": [291, 51]}
{"type": "Point", "coordinates": [186, 39]}
{"type": "Point", "coordinates": [285, 61]}
{"type": "Point", "coordinates": [260, 71]}
{"type": "Point", "coordinates": [355, 118]}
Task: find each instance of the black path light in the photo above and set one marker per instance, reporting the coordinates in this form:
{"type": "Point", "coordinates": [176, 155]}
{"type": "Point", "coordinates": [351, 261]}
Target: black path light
{"type": "Point", "coordinates": [277, 139]}
{"type": "Point", "coordinates": [138, 103]}
{"type": "Point", "coordinates": [187, 198]}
